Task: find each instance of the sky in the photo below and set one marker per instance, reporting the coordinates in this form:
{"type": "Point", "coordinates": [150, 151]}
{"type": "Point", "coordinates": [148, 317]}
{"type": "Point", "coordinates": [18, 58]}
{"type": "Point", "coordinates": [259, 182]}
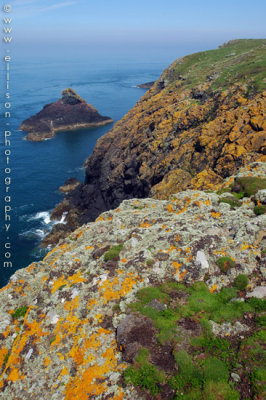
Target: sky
{"type": "Point", "coordinates": [149, 27]}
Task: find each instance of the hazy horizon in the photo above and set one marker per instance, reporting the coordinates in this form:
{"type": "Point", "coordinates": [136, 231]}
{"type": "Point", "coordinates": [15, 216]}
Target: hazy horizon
{"type": "Point", "coordinates": [145, 29]}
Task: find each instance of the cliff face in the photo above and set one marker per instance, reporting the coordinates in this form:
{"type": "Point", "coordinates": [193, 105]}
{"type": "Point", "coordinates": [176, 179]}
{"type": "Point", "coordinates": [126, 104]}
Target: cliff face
{"type": "Point", "coordinates": [80, 325]}
{"type": "Point", "coordinates": [68, 113]}
{"type": "Point", "coordinates": [201, 121]}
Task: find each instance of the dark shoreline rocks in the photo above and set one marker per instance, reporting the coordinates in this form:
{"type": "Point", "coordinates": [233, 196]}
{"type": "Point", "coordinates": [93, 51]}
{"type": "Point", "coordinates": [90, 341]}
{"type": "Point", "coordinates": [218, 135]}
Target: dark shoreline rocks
{"type": "Point", "coordinates": [70, 112]}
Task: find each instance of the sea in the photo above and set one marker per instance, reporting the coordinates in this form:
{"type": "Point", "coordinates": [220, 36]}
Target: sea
{"type": "Point", "coordinates": [39, 168]}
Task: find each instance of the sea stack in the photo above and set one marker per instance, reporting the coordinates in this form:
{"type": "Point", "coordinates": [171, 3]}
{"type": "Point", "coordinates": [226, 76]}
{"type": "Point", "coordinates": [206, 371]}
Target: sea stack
{"type": "Point", "coordinates": [68, 113]}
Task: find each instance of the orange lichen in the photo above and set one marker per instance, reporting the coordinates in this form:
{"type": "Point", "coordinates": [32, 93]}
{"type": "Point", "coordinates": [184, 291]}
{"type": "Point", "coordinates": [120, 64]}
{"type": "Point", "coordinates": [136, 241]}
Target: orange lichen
{"type": "Point", "coordinates": [177, 266]}
{"type": "Point", "coordinates": [70, 280]}
{"type": "Point", "coordinates": [170, 208]}
{"type": "Point", "coordinates": [112, 290]}
{"type": "Point", "coordinates": [145, 225]}
{"type": "Point", "coordinates": [214, 287]}
{"type": "Point", "coordinates": [216, 215]}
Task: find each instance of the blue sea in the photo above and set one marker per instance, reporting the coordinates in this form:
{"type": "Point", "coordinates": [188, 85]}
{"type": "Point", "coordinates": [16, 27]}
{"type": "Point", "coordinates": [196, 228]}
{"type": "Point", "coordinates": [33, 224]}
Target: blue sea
{"type": "Point", "coordinates": [38, 169]}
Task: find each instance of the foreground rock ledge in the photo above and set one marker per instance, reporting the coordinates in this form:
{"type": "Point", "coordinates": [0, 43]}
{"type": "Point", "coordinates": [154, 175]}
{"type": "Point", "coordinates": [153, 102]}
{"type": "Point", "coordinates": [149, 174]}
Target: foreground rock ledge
{"type": "Point", "coordinates": [63, 346]}
{"type": "Point", "coordinates": [70, 112]}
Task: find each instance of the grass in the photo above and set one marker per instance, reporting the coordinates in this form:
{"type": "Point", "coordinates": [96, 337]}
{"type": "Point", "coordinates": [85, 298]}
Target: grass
{"type": "Point", "coordinates": [250, 185]}
{"type": "Point", "coordinates": [239, 61]}
{"type": "Point", "coordinates": [113, 253]}
{"type": "Point", "coordinates": [234, 203]}
{"type": "Point", "coordinates": [225, 263]}
{"type": "Point", "coordinates": [260, 209]}
{"type": "Point", "coordinates": [204, 364]}
{"type": "Point", "coordinates": [144, 374]}
{"type": "Point", "coordinates": [19, 312]}
{"type": "Point", "coordinates": [241, 282]}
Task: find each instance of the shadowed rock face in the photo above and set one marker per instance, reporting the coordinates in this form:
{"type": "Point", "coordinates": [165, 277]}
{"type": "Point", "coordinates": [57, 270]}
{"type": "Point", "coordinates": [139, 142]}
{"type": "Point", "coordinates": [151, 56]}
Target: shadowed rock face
{"type": "Point", "coordinates": [68, 113]}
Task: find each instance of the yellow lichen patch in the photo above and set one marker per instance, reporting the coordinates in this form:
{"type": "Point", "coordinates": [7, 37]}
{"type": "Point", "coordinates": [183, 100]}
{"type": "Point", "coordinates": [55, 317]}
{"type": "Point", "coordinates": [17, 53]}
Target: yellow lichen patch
{"type": "Point", "coordinates": [89, 247]}
{"type": "Point", "coordinates": [91, 303]}
{"type": "Point", "coordinates": [176, 265]}
{"type": "Point", "coordinates": [215, 215]}
{"type": "Point", "coordinates": [64, 371]}
{"type": "Point", "coordinates": [47, 361]}
{"type": "Point", "coordinates": [170, 208]}
{"type": "Point", "coordinates": [90, 381]}
{"type": "Point", "coordinates": [14, 375]}
{"type": "Point", "coordinates": [70, 280]}
{"type": "Point", "coordinates": [178, 238]}
{"type": "Point", "coordinates": [32, 333]}
{"type": "Point", "coordinates": [31, 267]}
{"type": "Point", "coordinates": [181, 211]}
{"type": "Point", "coordinates": [145, 225]}
{"type": "Point", "coordinates": [3, 355]}
{"type": "Point", "coordinates": [124, 260]}
{"type": "Point", "coordinates": [112, 290]}
{"type": "Point", "coordinates": [181, 276]}
{"type": "Point", "coordinates": [214, 287]}
{"type": "Point", "coordinates": [99, 219]}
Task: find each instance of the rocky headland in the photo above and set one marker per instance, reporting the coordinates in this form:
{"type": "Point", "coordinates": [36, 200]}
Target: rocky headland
{"type": "Point", "coordinates": [200, 122]}
{"type": "Point", "coordinates": [157, 299]}
{"type": "Point", "coordinates": [70, 112]}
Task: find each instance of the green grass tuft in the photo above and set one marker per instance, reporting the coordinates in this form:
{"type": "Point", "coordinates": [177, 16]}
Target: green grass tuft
{"type": "Point", "coordinates": [241, 282]}
{"type": "Point", "coordinates": [113, 253]}
{"type": "Point", "coordinates": [20, 312]}
{"type": "Point", "coordinates": [225, 263]}
{"type": "Point", "coordinates": [260, 209]}
{"type": "Point", "coordinates": [144, 374]}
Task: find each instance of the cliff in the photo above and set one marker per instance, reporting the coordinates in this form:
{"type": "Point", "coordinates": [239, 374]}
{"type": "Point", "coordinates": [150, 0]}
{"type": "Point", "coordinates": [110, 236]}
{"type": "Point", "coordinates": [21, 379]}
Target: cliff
{"type": "Point", "coordinates": [68, 113]}
{"type": "Point", "coordinates": [201, 121]}
{"type": "Point", "coordinates": [157, 299]}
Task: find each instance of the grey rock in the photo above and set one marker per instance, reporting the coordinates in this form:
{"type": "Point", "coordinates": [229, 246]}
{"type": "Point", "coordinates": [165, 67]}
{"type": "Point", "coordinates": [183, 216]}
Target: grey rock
{"type": "Point", "coordinates": [259, 292]}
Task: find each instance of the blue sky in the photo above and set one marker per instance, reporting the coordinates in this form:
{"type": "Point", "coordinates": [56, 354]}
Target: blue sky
{"type": "Point", "coordinates": [147, 25]}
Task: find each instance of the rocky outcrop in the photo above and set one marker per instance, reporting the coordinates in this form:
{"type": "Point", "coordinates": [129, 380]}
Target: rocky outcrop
{"type": "Point", "coordinates": [69, 185]}
{"type": "Point", "coordinates": [146, 85]}
{"type": "Point", "coordinates": [111, 311]}
{"type": "Point", "coordinates": [198, 124]}
{"type": "Point", "coordinates": [68, 113]}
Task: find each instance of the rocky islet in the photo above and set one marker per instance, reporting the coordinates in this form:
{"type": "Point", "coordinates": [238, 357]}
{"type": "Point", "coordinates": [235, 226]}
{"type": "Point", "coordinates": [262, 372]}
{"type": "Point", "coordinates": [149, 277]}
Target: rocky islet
{"type": "Point", "coordinates": [68, 113]}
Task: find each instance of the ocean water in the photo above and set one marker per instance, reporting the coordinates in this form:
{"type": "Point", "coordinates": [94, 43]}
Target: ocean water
{"type": "Point", "coordinates": [38, 169]}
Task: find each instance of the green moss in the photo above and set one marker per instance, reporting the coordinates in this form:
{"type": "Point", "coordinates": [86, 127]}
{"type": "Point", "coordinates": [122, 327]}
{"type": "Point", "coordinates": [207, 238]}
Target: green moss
{"type": "Point", "coordinates": [204, 367]}
{"type": "Point", "coordinates": [225, 263]}
{"type": "Point", "coordinates": [19, 312]}
{"type": "Point", "coordinates": [250, 185]}
{"type": "Point", "coordinates": [144, 374]}
{"type": "Point", "coordinates": [113, 253]}
{"type": "Point", "coordinates": [257, 304]}
{"type": "Point", "coordinates": [149, 262]}
{"type": "Point", "coordinates": [219, 390]}
{"type": "Point", "coordinates": [214, 346]}
{"type": "Point", "coordinates": [215, 370]}
{"type": "Point", "coordinates": [258, 380]}
{"type": "Point", "coordinates": [241, 282]}
{"type": "Point", "coordinates": [61, 287]}
{"type": "Point", "coordinates": [260, 209]}
{"type": "Point", "coordinates": [148, 294]}
{"type": "Point", "coordinates": [6, 357]}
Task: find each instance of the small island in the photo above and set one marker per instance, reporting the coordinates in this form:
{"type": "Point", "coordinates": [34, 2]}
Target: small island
{"type": "Point", "coordinates": [70, 112]}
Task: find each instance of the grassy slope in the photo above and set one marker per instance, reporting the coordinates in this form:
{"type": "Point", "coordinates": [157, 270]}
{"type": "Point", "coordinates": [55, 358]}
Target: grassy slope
{"type": "Point", "coordinates": [240, 60]}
